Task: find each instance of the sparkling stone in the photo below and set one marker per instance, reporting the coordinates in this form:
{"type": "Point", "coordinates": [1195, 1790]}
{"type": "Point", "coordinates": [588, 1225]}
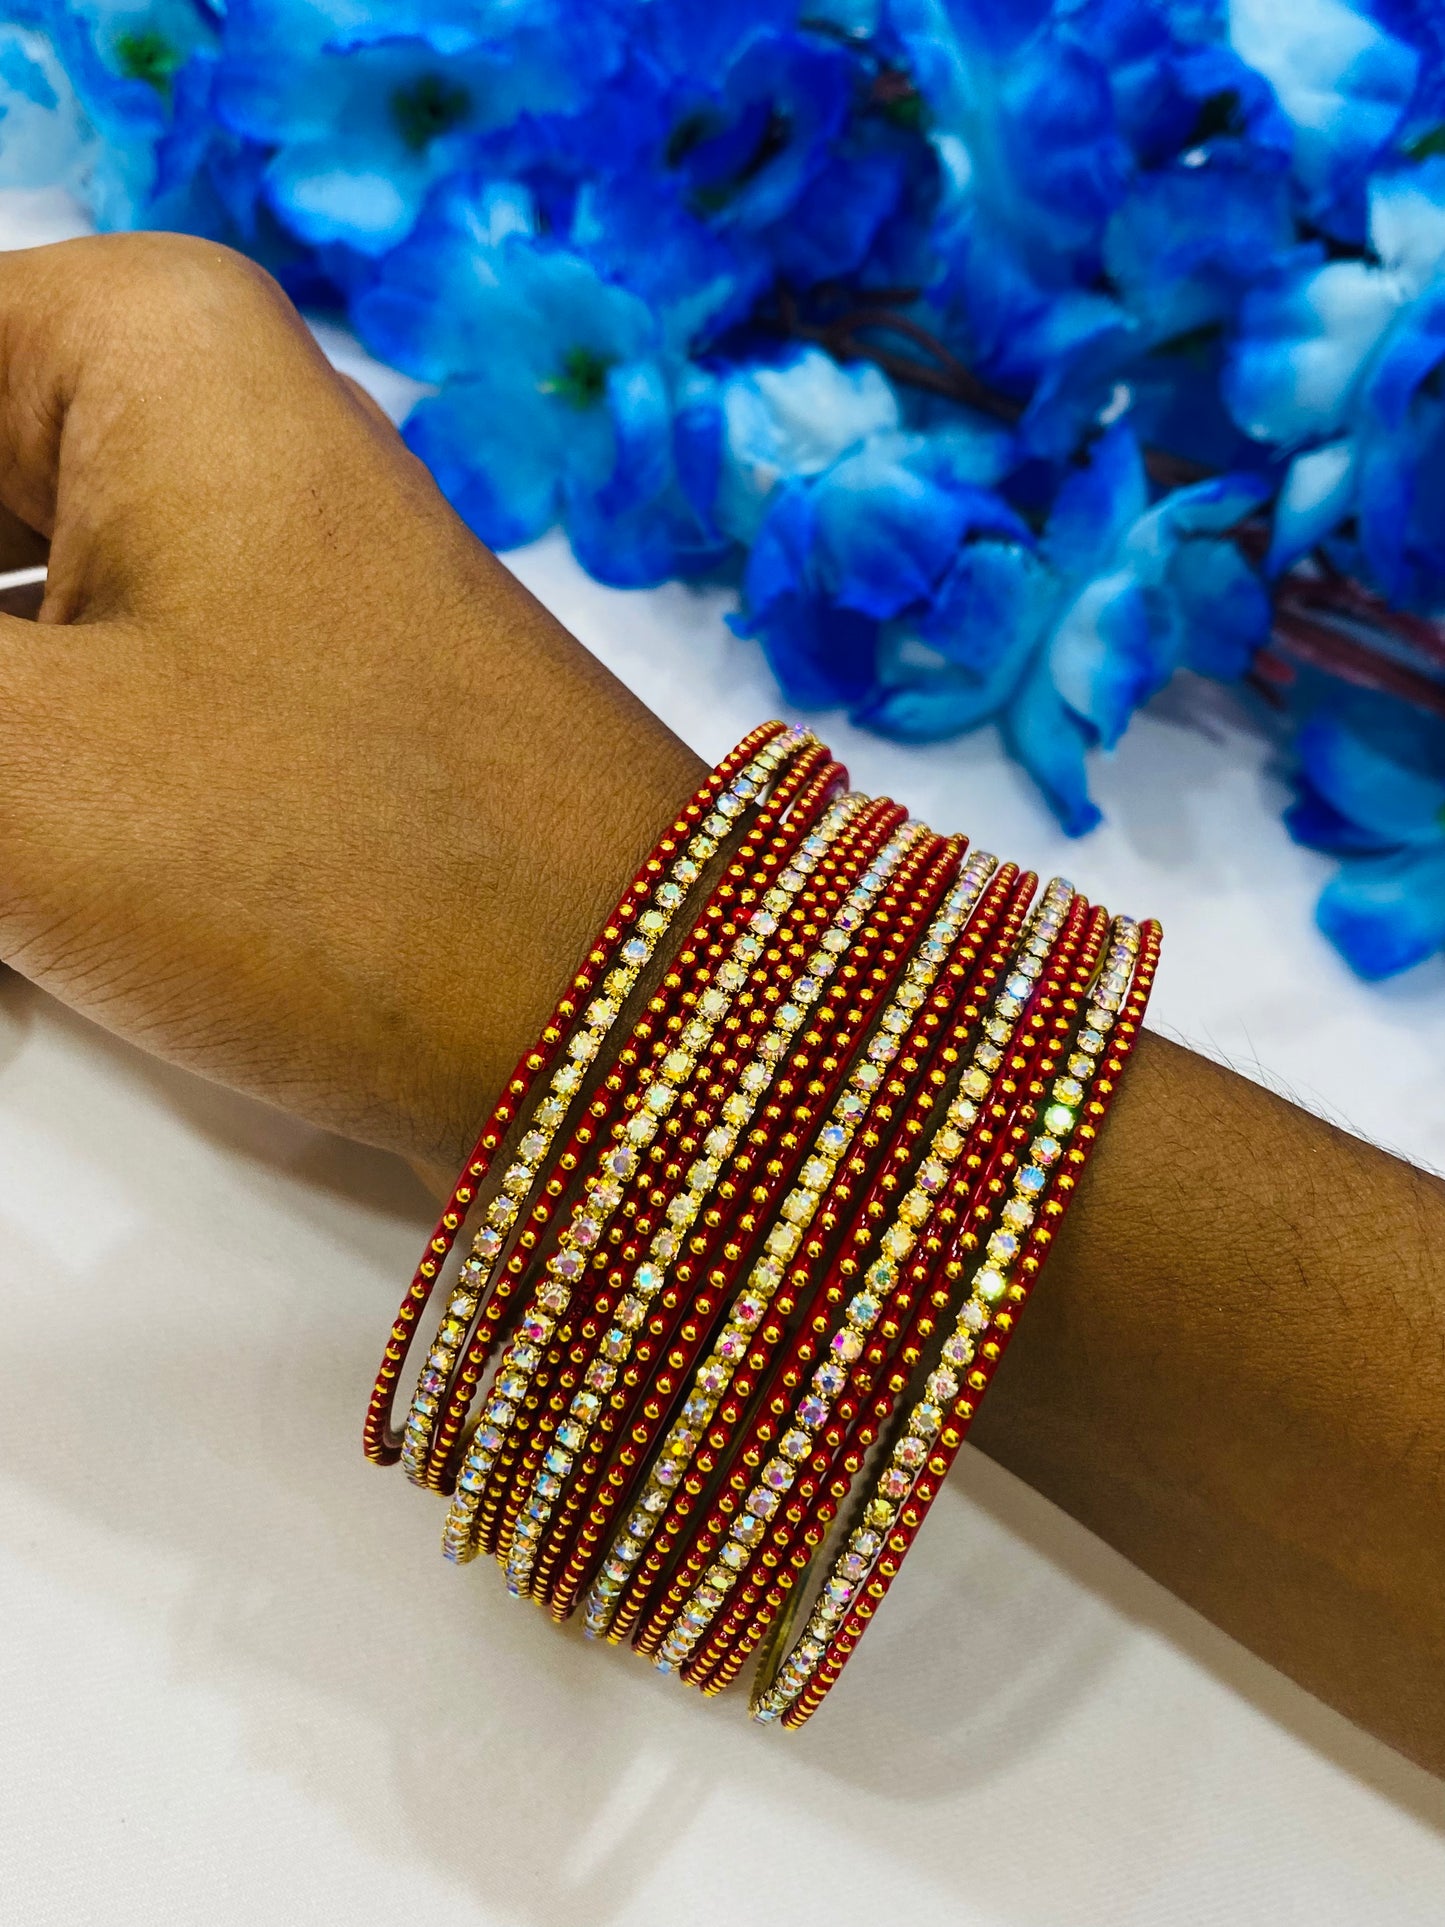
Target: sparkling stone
{"type": "Point", "coordinates": [719, 1142]}
{"type": "Point", "coordinates": [762, 1504]}
{"type": "Point", "coordinates": [586, 1231]}
{"type": "Point", "coordinates": [549, 1486]}
{"type": "Point", "coordinates": [762, 923]}
{"type": "Point", "coordinates": [839, 1591]}
{"type": "Point", "coordinates": [910, 1453]}
{"type": "Point", "coordinates": [660, 1098]}
{"type": "Point", "coordinates": [766, 1276]}
{"type": "Point", "coordinates": [799, 1206]}
{"type": "Point", "coordinates": [942, 1386]}
{"type": "Point", "coordinates": [925, 1420]}
{"type": "Point", "coordinates": [1058, 1120]}
{"type": "Point", "coordinates": [558, 1462]}
{"type": "Point", "coordinates": [795, 1444]}
{"type": "Point", "coordinates": [783, 1240]}
{"type": "Point", "coordinates": [586, 1406]}
{"type": "Point", "coordinates": [894, 1482]}
{"type": "Point", "coordinates": [733, 1555]}
{"type": "Point", "coordinates": [536, 1328]}
{"type": "Point", "coordinates": [648, 1280]}
{"type": "Point", "coordinates": [664, 1246]}
{"type": "Point", "coordinates": [813, 1412]}
{"type": "Point", "coordinates": [699, 1407]}
{"type": "Point", "coordinates": [572, 1435]}
{"type": "Point", "coordinates": [974, 1315]}
{"type": "Point", "coordinates": [601, 1376]}
{"type": "Point", "coordinates": [582, 1047]}
{"type": "Point", "coordinates": [604, 1195]}
{"type": "Point", "coordinates": [868, 1077]}
{"type": "Point", "coordinates": [487, 1243]}
{"type": "Point", "coordinates": [737, 1109]}
{"type": "Point", "coordinates": [630, 1313]}
{"type": "Point", "coordinates": [988, 1057]}
{"type": "Point", "coordinates": [667, 1471]}
{"type": "Point", "coordinates": [747, 1529]}
{"type": "Point", "coordinates": [518, 1180]}
{"type": "Point", "coordinates": [1003, 1246]}
{"type": "Point", "coordinates": [567, 1264]}
{"type": "Point", "coordinates": [878, 1514]}
{"type": "Point", "coordinates": [755, 1078]}
{"type": "Point", "coordinates": [958, 1349]}
{"type": "Point", "coordinates": [748, 1311]}
{"type": "Point", "coordinates": [864, 1309]}
{"type": "Point", "coordinates": [882, 1049]}
{"type": "Point", "coordinates": [830, 1378]}
{"type": "Point", "coordinates": [682, 1209]}
{"type": "Point", "coordinates": [704, 1174]}
{"type": "Point", "coordinates": [731, 1344]}
{"type": "Point", "coordinates": [635, 951]}
{"type": "Point", "coordinates": [988, 1283]}
{"type": "Point", "coordinates": [616, 1346]}
{"type": "Point", "coordinates": [778, 1475]}
{"type": "Point", "coordinates": [554, 1296]}
{"type": "Point", "coordinates": [1069, 1090]}
{"type": "Point", "coordinates": [916, 1207]}
{"type": "Point", "coordinates": [642, 1127]}
{"type": "Point", "coordinates": [847, 1344]}
{"type": "Point", "coordinates": [714, 1378]}
{"type": "Point", "coordinates": [976, 1082]}
{"type": "Point", "coordinates": [1007, 1007]}
{"type": "Point", "coordinates": [898, 1241]}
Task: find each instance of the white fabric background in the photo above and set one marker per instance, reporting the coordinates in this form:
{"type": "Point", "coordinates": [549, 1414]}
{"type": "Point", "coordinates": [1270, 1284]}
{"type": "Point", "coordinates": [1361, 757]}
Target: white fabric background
{"type": "Point", "coordinates": [239, 1686]}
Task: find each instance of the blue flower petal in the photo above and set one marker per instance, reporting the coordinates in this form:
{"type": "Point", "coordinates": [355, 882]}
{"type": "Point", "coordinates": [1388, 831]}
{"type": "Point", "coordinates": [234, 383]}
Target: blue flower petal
{"type": "Point", "coordinates": [1219, 609]}
{"type": "Point", "coordinates": [1317, 493]}
{"type": "Point", "coordinates": [1313, 821]}
{"type": "Point", "coordinates": [1386, 913]}
{"type": "Point", "coordinates": [1050, 742]}
{"type": "Point", "coordinates": [1342, 80]}
{"type": "Point", "coordinates": [640, 408]}
{"type": "Point", "coordinates": [1102, 658]}
{"type": "Point", "coordinates": [1381, 764]}
{"type": "Point", "coordinates": [504, 484]}
{"type": "Point", "coordinates": [1304, 341]}
{"type": "Point", "coordinates": [1097, 505]}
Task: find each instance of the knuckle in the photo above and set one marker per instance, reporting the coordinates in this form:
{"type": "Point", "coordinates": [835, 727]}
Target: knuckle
{"type": "Point", "coordinates": [174, 290]}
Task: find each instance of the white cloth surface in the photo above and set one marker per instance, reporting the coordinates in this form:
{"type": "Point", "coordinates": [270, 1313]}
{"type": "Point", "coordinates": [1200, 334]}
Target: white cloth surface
{"type": "Point", "coordinates": [240, 1686]}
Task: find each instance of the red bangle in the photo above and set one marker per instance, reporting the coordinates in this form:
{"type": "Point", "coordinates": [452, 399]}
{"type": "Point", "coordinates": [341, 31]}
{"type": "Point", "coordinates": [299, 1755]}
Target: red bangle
{"type": "Point", "coordinates": [780, 1172]}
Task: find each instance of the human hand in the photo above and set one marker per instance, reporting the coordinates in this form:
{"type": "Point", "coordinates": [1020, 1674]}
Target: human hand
{"type": "Point", "coordinates": [298, 787]}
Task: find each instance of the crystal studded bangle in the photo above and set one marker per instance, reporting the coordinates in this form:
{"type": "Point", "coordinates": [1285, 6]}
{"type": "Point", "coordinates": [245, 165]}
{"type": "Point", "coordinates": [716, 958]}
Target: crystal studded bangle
{"type": "Point", "coordinates": [755, 1218]}
{"type": "Point", "coordinates": [821, 1364]}
{"type": "Point", "coordinates": [517, 1212]}
{"type": "Point", "coordinates": [740, 775]}
{"type": "Point", "coordinates": [1054, 1143]}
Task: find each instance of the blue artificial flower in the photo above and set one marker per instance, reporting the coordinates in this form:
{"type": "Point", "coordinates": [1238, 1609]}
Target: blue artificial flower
{"type": "Point", "coordinates": [1062, 640]}
{"type": "Point", "coordinates": [42, 132]}
{"type": "Point", "coordinates": [368, 107]}
{"type": "Point", "coordinates": [870, 540]}
{"type": "Point", "coordinates": [1345, 84]}
{"type": "Point", "coordinates": [1334, 359]}
{"type": "Point", "coordinates": [556, 399]}
{"type": "Point", "coordinates": [786, 421]}
{"type": "Point", "coordinates": [1371, 785]}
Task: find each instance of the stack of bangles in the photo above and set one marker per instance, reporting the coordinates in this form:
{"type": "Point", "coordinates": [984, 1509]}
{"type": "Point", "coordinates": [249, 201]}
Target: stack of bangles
{"type": "Point", "coordinates": [754, 1220]}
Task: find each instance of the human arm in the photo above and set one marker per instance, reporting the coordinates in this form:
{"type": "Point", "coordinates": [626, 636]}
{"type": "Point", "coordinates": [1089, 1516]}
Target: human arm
{"type": "Point", "coordinates": [300, 789]}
